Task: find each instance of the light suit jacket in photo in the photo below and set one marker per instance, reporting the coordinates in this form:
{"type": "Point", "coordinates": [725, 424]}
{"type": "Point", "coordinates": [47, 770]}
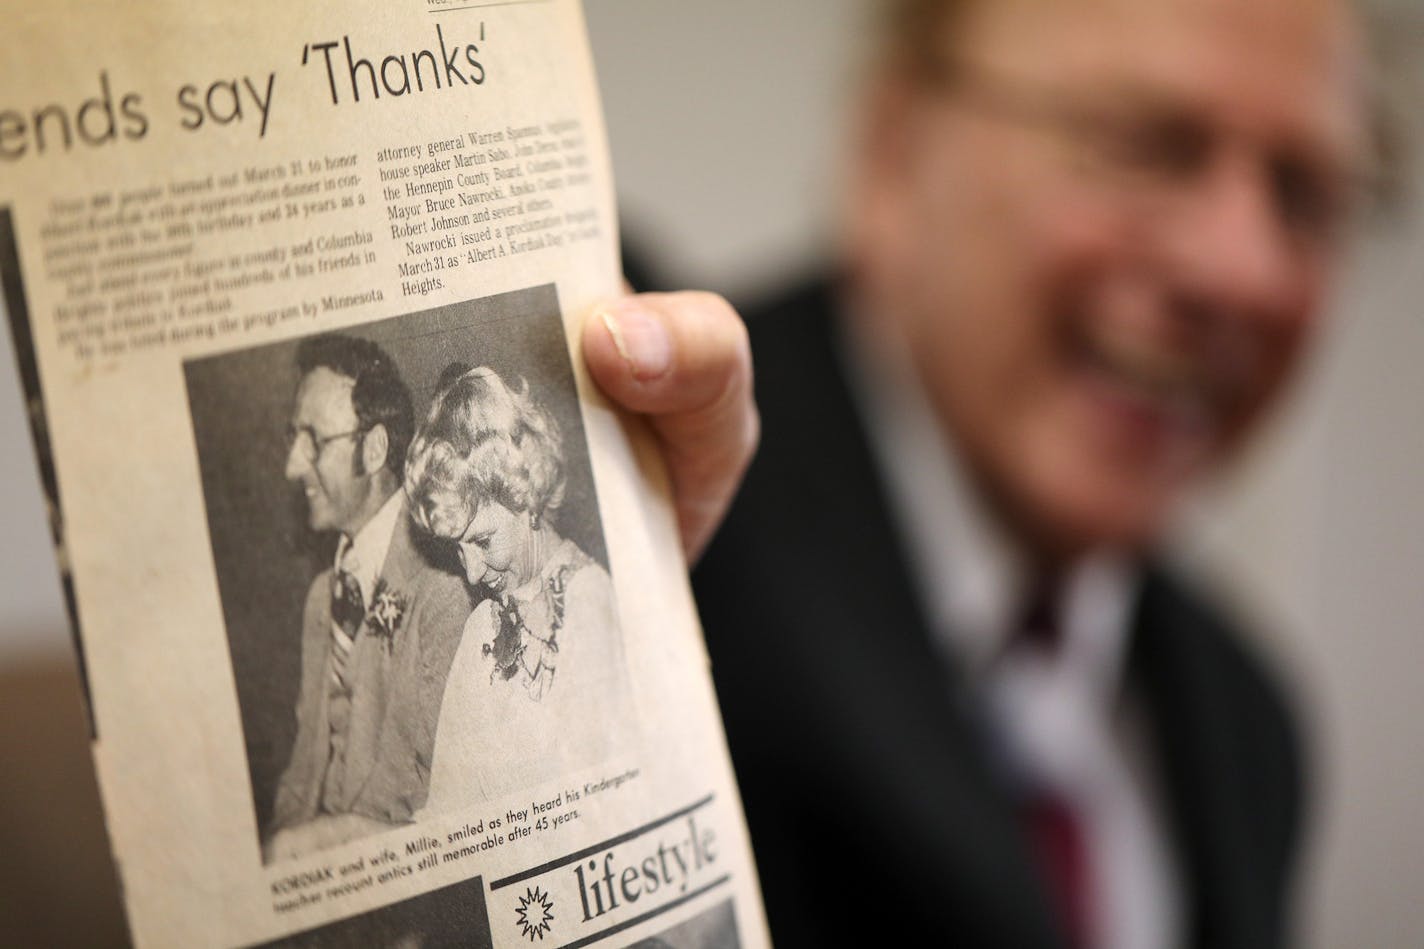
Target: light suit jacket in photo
{"type": "Point", "coordinates": [397, 677]}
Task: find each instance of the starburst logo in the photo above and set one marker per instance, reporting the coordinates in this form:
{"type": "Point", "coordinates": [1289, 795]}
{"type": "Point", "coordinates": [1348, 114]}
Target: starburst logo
{"type": "Point", "coordinates": [535, 912]}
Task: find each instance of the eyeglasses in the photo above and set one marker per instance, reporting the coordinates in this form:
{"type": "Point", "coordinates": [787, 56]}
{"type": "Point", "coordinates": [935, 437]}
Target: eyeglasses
{"type": "Point", "coordinates": [1157, 152]}
{"type": "Point", "coordinates": [309, 444]}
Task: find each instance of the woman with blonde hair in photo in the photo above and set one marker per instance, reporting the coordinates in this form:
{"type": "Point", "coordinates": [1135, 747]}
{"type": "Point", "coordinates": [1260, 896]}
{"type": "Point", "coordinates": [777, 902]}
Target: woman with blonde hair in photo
{"type": "Point", "coordinates": [541, 657]}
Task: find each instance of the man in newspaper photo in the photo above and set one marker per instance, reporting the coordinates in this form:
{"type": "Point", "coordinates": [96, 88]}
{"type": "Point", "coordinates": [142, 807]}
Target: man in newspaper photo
{"type": "Point", "coordinates": [380, 627]}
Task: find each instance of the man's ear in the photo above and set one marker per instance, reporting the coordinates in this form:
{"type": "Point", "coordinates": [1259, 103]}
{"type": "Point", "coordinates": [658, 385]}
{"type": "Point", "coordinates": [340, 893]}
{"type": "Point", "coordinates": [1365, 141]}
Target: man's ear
{"type": "Point", "coordinates": [880, 165]}
{"type": "Point", "coordinates": [885, 126]}
{"type": "Point", "coordinates": [375, 448]}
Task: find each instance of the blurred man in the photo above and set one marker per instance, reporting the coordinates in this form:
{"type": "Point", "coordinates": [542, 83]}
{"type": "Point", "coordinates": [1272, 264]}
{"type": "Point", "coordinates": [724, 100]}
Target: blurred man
{"type": "Point", "coordinates": [380, 627]}
{"type": "Point", "coordinates": [1087, 242]}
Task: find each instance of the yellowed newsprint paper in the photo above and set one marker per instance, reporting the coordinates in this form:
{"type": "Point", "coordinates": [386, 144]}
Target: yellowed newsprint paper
{"type": "Point", "coordinates": [384, 622]}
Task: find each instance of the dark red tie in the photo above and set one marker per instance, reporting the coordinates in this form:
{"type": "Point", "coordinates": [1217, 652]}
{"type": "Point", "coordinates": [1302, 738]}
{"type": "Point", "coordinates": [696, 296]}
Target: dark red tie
{"type": "Point", "coordinates": [1052, 824]}
{"type": "Point", "coordinates": [1062, 852]}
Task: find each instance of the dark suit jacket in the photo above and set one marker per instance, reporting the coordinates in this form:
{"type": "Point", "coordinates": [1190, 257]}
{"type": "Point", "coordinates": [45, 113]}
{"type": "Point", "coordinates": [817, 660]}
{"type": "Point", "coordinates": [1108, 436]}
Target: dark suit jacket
{"type": "Point", "coordinates": [396, 688]}
{"type": "Point", "coordinates": [873, 811]}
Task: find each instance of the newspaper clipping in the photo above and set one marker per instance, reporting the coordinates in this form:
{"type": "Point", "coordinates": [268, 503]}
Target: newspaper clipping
{"type": "Point", "coordinates": [380, 606]}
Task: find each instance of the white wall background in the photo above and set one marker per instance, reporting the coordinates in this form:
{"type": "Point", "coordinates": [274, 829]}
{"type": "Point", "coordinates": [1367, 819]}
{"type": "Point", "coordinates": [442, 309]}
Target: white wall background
{"type": "Point", "coordinates": [726, 120]}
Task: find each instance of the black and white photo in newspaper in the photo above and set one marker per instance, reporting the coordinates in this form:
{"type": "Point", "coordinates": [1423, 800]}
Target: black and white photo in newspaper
{"type": "Point", "coordinates": [425, 625]}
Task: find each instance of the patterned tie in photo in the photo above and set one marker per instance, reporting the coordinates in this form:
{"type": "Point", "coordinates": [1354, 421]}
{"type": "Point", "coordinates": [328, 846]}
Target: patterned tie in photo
{"type": "Point", "coordinates": [348, 609]}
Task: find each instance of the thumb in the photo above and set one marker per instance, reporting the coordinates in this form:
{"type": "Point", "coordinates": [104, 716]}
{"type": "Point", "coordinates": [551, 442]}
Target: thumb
{"type": "Point", "coordinates": [683, 361]}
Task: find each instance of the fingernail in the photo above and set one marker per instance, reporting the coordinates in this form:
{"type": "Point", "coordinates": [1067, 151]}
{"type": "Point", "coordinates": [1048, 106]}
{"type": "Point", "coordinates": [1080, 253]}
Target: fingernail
{"type": "Point", "coordinates": [640, 340]}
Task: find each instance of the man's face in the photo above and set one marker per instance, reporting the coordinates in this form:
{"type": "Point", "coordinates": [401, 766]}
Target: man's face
{"type": "Point", "coordinates": [1108, 240]}
{"type": "Point", "coordinates": [322, 456]}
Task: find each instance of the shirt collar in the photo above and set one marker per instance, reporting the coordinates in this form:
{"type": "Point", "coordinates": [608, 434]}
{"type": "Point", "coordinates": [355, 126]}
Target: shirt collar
{"type": "Point", "coordinates": [971, 578]}
{"type": "Point", "coordinates": [364, 556]}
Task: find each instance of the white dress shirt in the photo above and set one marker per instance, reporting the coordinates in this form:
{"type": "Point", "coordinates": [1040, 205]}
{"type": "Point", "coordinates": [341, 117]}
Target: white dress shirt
{"type": "Point", "coordinates": [364, 556]}
{"type": "Point", "coordinates": [1059, 719]}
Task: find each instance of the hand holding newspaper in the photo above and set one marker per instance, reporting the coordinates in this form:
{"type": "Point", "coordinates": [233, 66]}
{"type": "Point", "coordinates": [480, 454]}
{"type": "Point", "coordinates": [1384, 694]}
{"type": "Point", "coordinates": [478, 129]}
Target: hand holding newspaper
{"type": "Point", "coordinates": [381, 604]}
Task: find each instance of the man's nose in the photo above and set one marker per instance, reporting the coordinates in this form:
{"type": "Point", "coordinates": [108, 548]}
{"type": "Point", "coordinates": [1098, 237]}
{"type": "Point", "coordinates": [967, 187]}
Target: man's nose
{"type": "Point", "coordinates": [297, 463]}
{"type": "Point", "coordinates": [1229, 248]}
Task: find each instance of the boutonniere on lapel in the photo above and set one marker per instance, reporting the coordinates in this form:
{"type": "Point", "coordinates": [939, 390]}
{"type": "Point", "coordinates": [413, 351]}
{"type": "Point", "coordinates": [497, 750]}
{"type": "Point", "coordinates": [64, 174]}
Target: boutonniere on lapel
{"type": "Point", "coordinates": [387, 610]}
